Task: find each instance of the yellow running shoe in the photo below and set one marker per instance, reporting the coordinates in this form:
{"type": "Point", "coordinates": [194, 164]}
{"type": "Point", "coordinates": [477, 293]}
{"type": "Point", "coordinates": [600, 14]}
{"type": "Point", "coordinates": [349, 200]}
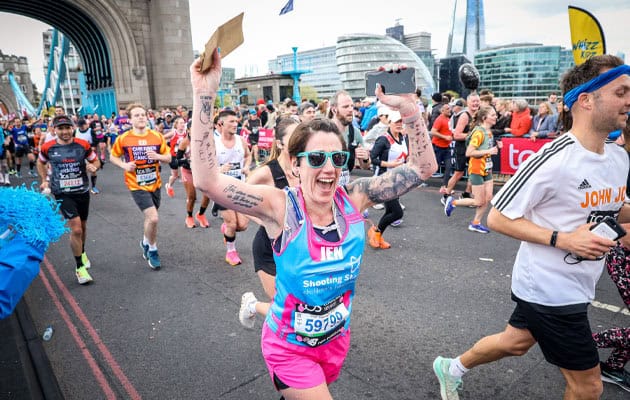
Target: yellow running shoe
{"type": "Point", "coordinates": [83, 276]}
{"type": "Point", "coordinates": [85, 260]}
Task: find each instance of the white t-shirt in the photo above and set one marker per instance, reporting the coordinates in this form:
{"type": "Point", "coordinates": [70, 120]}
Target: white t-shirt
{"type": "Point", "coordinates": [85, 135]}
{"type": "Point", "coordinates": [561, 187]}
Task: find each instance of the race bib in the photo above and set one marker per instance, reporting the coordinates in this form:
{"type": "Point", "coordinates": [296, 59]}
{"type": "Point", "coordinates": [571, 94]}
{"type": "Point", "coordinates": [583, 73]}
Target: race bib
{"type": "Point", "coordinates": [316, 325]}
{"type": "Point", "coordinates": [146, 176]}
{"type": "Point", "coordinates": [70, 183]}
{"type": "Point", "coordinates": [235, 170]}
{"type": "Point", "coordinates": [488, 164]}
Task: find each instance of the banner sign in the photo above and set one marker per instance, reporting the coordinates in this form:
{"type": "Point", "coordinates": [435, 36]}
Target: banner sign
{"type": "Point", "coordinates": [517, 150]}
{"type": "Point", "coordinates": [587, 37]}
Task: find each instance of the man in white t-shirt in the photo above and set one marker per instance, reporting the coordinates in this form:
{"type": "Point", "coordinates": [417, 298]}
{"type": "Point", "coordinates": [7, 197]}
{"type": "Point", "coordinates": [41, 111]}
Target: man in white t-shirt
{"type": "Point", "coordinates": [549, 205]}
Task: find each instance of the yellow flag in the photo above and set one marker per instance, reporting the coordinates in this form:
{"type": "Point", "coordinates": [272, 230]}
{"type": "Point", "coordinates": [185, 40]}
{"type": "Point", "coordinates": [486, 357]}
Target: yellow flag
{"type": "Point", "coordinates": [587, 37]}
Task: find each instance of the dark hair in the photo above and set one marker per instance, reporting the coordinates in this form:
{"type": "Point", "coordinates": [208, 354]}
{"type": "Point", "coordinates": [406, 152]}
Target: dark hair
{"type": "Point", "coordinates": [588, 70]}
{"type": "Point", "coordinates": [225, 113]}
{"type": "Point", "coordinates": [304, 131]}
{"type": "Point", "coordinates": [291, 103]}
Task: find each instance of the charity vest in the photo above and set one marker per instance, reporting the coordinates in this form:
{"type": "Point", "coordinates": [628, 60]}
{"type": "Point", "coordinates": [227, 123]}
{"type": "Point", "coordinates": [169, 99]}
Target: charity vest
{"type": "Point", "coordinates": [315, 278]}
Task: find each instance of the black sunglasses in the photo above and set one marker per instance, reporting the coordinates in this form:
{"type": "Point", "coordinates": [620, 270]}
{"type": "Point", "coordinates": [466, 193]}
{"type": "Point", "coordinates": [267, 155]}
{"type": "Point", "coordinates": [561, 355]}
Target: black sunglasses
{"type": "Point", "coordinates": [317, 159]}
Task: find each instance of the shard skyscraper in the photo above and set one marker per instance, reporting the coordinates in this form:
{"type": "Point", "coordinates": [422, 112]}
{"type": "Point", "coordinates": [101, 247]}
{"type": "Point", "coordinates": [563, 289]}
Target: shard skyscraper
{"type": "Point", "coordinates": [468, 32]}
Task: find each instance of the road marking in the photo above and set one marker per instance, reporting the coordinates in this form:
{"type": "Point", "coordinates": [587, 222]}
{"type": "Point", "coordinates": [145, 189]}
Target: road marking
{"type": "Point", "coordinates": [98, 374]}
{"type": "Point", "coordinates": [107, 355]}
{"type": "Point", "coordinates": [610, 307]}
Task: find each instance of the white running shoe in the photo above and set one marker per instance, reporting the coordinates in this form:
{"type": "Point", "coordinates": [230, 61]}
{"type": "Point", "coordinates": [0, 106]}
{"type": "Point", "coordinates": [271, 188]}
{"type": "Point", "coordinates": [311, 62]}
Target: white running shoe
{"type": "Point", "coordinates": [247, 318]}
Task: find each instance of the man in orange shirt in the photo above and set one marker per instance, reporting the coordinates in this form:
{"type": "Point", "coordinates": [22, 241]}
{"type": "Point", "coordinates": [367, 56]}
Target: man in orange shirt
{"type": "Point", "coordinates": [139, 152]}
{"type": "Point", "coordinates": [441, 137]}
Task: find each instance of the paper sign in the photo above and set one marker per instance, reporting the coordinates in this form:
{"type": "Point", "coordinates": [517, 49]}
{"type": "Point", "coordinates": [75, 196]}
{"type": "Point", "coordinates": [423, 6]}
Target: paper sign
{"type": "Point", "coordinates": [227, 37]}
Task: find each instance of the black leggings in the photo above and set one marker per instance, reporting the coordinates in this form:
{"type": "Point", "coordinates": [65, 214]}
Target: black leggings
{"type": "Point", "coordinates": [393, 212]}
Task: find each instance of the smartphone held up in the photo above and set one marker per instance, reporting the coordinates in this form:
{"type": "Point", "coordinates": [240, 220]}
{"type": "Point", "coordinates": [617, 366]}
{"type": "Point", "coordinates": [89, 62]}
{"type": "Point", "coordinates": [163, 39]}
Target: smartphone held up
{"type": "Point", "coordinates": [392, 82]}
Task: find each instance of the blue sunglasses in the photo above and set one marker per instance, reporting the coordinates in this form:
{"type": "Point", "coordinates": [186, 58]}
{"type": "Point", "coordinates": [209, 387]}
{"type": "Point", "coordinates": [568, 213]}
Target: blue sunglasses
{"type": "Point", "coordinates": [317, 159]}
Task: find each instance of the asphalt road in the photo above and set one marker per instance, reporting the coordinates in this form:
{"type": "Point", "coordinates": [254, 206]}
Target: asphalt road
{"type": "Point", "coordinates": [174, 333]}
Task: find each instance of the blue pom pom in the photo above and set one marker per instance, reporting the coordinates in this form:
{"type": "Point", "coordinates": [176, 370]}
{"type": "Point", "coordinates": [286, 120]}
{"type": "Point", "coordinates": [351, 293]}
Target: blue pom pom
{"type": "Point", "coordinates": [31, 214]}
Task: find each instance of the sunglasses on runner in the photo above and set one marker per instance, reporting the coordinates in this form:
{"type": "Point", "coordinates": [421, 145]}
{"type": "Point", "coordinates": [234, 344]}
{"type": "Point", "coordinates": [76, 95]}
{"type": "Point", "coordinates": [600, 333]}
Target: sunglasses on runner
{"type": "Point", "coordinates": [317, 159]}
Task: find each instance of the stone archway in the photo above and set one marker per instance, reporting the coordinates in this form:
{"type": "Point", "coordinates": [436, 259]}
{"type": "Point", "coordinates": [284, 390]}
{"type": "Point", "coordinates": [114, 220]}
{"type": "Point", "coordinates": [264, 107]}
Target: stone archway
{"type": "Point", "coordinates": [130, 46]}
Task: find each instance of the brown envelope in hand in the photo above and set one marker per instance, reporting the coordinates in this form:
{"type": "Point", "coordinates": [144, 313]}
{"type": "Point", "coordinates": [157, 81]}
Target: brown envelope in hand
{"type": "Point", "coordinates": [227, 37]}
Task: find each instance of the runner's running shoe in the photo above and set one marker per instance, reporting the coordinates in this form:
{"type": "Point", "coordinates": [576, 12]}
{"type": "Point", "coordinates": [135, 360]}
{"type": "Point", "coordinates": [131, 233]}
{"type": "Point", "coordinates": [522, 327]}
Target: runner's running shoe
{"type": "Point", "coordinates": [378, 206]}
{"type": "Point", "coordinates": [32, 173]}
{"type": "Point", "coordinates": [190, 222]}
{"type": "Point", "coordinates": [365, 214]}
{"type": "Point", "coordinates": [18, 174]}
{"type": "Point", "coordinates": [145, 249]}
{"type": "Point", "coordinates": [83, 276]}
{"type": "Point", "coordinates": [448, 206]}
{"type": "Point", "coordinates": [247, 318]}
{"type": "Point", "coordinates": [449, 384]}
{"type": "Point", "coordinates": [398, 222]}
{"type": "Point", "coordinates": [154, 259]}
{"type": "Point", "coordinates": [232, 258]}
{"type": "Point", "coordinates": [201, 219]}
{"type": "Point", "coordinates": [619, 377]}
{"type": "Point", "coordinates": [169, 190]}
{"type": "Point", "coordinates": [478, 228]}
{"type": "Point", "coordinates": [95, 190]}
{"type": "Point", "coordinates": [373, 237]}
{"type": "Point", "coordinates": [85, 260]}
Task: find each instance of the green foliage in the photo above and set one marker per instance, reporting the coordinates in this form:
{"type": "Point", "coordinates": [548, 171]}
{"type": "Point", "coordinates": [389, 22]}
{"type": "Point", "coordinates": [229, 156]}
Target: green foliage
{"type": "Point", "coordinates": [309, 92]}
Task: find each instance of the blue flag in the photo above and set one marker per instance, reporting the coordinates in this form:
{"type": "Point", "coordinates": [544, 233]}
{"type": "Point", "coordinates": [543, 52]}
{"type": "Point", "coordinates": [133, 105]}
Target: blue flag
{"type": "Point", "coordinates": [287, 7]}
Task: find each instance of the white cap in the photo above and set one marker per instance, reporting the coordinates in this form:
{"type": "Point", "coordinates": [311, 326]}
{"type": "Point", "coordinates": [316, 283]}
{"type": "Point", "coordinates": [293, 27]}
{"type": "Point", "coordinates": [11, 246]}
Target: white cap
{"type": "Point", "coordinates": [394, 116]}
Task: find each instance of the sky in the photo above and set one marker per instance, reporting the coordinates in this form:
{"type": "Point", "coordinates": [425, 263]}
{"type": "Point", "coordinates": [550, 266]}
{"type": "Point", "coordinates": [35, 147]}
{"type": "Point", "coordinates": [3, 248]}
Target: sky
{"type": "Point", "coordinates": [313, 24]}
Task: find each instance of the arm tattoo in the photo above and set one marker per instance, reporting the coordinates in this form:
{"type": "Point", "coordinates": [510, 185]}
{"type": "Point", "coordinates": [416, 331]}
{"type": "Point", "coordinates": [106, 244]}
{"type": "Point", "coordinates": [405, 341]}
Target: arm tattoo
{"type": "Point", "coordinates": [241, 198]}
{"type": "Point", "coordinates": [391, 185]}
{"type": "Point", "coordinates": [205, 112]}
{"type": "Point", "coordinates": [206, 150]}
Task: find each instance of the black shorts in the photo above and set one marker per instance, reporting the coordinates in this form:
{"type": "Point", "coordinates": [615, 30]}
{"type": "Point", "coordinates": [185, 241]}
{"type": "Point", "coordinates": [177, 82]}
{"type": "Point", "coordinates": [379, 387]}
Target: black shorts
{"type": "Point", "coordinates": [74, 205]}
{"type": "Point", "coordinates": [21, 151]}
{"type": "Point", "coordinates": [145, 199]}
{"type": "Point", "coordinates": [263, 253]}
{"type": "Point", "coordinates": [566, 339]}
{"type": "Point", "coordinates": [461, 160]}
{"type": "Point", "coordinates": [253, 139]}
{"type": "Point", "coordinates": [174, 164]}
{"type": "Point", "coordinates": [99, 140]}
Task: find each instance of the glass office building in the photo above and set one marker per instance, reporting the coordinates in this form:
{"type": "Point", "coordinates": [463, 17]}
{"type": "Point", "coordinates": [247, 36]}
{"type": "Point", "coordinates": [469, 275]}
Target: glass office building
{"type": "Point", "coordinates": [321, 65]}
{"type": "Point", "coordinates": [526, 70]}
{"type": "Point", "coordinates": [360, 53]}
{"type": "Point", "coordinates": [468, 29]}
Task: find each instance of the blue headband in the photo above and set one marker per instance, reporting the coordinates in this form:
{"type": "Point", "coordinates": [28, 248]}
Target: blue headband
{"type": "Point", "coordinates": [601, 80]}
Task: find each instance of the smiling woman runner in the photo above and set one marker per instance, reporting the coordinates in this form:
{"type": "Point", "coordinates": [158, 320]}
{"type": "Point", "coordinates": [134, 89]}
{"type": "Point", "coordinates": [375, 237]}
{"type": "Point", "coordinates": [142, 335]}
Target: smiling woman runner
{"type": "Point", "coordinates": [318, 229]}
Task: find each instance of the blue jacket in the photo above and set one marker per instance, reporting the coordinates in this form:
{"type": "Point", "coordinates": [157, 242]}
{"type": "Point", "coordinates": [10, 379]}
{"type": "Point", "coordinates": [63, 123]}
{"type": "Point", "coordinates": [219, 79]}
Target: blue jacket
{"type": "Point", "coordinates": [547, 126]}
